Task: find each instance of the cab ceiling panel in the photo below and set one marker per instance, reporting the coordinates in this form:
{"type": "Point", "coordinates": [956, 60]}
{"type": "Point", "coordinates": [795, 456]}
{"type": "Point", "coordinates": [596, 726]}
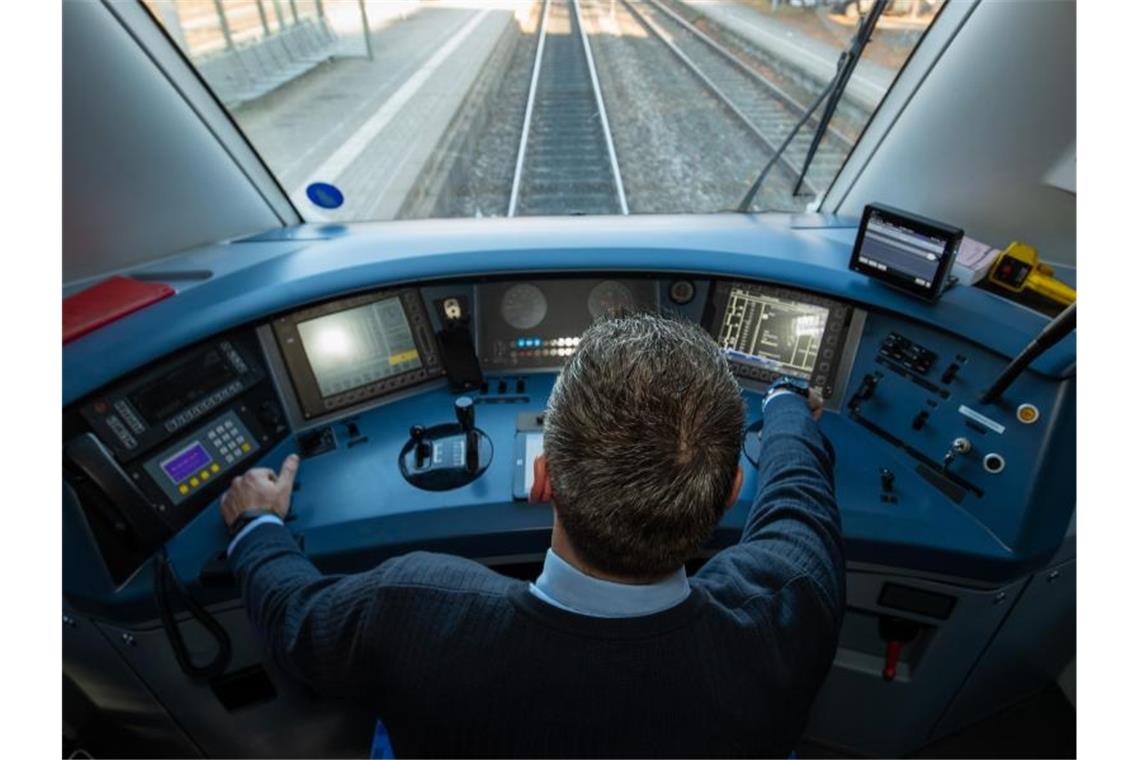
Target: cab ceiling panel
{"type": "Point", "coordinates": [143, 176]}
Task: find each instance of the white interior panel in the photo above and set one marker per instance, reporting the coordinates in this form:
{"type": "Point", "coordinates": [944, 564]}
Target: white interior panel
{"type": "Point", "coordinates": [143, 176]}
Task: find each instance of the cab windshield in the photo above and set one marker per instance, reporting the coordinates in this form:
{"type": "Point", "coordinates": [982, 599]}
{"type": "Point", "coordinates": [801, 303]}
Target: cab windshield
{"type": "Point", "coordinates": [398, 109]}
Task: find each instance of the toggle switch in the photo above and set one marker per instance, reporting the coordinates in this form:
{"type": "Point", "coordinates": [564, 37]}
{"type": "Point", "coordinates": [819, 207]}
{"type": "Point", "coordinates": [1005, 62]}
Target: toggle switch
{"type": "Point", "coordinates": [919, 421]}
{"type": "Point", "coordinates": [951, 372]}
{"type": "Point", "coordinates": [887, 480]}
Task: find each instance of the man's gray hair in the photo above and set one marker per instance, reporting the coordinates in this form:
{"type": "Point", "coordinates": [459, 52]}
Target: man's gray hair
{"type": "Point", "coordinates": [642, 442]}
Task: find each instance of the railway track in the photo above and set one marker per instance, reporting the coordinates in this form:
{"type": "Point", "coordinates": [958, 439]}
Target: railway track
{"type": "Point", "coordinates": [761, 105]}
{"type": "Point", "coordinates": [566, 161]}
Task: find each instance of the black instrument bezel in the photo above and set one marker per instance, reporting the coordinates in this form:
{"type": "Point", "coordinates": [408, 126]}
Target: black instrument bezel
{"type": "Point", "coordinates": [834, 339]}
{"type": "Point", "coordinates": [312, 403]}
{"type": "Point", "coordinates": [953, 236]}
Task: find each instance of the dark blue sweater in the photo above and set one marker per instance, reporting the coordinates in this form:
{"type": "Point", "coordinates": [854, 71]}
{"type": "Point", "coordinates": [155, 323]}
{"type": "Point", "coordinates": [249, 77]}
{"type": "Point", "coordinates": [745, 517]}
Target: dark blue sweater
{"type": "Point", "coordinates": [460, 661]}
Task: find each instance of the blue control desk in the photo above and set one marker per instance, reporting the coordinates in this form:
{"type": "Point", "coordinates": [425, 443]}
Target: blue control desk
{"type": "Point", "coordinates": [972, 522]}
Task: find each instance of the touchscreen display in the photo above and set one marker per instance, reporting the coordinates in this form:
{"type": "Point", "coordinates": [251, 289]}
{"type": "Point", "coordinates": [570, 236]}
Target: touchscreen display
{"type": "Point", "coordinates": [774, 333]}
{"type": "Point", "coordinates": [905, 250]}
{"type": "Point", "coordinates": [359, 346]}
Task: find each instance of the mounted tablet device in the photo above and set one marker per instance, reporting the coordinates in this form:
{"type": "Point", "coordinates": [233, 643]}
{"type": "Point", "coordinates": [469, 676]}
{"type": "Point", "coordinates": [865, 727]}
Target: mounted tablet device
{"type": "Point", "coordinates": [906, 251]}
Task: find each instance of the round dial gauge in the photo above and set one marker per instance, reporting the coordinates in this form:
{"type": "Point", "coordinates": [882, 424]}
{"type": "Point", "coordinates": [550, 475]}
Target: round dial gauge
{"type": "Point", "coordinates": [609, 298]}
{"type": "Point", "coordinates": [523, 306]}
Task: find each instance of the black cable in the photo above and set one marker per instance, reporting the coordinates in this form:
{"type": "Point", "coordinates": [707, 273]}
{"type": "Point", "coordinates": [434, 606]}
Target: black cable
{"type": "Point", "coordinates": [166, 585]}
{"type": "Point", "coordinates": [1063, 324]}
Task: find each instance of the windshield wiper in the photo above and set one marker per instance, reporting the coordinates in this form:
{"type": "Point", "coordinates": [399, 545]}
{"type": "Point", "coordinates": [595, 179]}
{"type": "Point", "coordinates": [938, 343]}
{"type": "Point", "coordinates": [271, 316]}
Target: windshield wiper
{"type": "Point", "coordinates": [844, 68]}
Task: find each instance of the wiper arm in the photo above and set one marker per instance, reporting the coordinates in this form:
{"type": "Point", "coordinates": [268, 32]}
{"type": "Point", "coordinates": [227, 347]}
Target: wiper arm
{"type": "Point", "coordinates": [844, 68]}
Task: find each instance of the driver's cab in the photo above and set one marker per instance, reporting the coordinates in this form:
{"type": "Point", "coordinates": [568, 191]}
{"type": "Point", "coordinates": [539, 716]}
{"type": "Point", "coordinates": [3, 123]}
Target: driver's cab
{"type": "Point", "coordinates": [372, 233]}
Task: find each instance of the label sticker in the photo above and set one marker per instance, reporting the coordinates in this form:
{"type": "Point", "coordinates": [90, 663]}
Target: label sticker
{"type": "Point", "coordinates": [324, 195]}
{"type": "Point", "coordinates": [982, 419]}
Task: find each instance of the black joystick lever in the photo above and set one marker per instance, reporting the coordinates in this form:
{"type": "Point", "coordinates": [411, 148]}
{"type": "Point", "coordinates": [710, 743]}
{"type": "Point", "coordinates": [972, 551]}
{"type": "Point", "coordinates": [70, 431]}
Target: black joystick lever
{"type": "Point", "coordinates": [448, 455]}
{"type": "Point", "coordinates": [422, 447]}
{"type": "Point", "coordinates": [465, 415]}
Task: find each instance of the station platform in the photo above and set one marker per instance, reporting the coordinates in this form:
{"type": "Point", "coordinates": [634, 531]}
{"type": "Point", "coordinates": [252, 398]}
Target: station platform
{"type": "Point", "coordinates": [393, 109]}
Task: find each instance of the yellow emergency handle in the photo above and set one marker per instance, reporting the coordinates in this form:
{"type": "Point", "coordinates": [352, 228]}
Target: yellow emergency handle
{"type": "Point", "coordinates": [1019, 267]}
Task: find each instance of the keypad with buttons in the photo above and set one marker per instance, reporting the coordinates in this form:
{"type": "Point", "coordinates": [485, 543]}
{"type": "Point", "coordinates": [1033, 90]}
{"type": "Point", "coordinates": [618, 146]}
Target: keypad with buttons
{"type": "Point", "coordinates": [226, 441]}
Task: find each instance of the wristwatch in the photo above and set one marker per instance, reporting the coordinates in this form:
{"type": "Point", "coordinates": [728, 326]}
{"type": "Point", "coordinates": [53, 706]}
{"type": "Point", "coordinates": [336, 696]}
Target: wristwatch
{"type": "Point", "coordinates": [246, 517]}
{"type": "Point", "coordinates": [787, 383]}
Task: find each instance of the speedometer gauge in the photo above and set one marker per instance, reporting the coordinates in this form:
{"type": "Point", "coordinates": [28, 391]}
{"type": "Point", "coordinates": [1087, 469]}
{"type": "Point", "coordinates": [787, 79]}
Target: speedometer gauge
{"type": "Point", "coordinates": [523, 306]}
{"type": "Point", "coordinates": [609, 298]}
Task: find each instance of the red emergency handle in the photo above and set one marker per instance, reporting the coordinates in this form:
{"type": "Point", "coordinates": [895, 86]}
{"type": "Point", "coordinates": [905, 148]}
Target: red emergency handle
{"type": "Point", "coordinates": [894, 648]}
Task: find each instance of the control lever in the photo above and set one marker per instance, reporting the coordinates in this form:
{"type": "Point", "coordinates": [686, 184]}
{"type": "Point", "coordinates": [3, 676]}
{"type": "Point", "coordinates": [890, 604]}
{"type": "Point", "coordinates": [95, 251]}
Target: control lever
{"type": "Point", "coordinates": [865, 390]}
{"type": "Point", "coordinates": [465, 414]}
{"type": "Point", "coordinates": [422, 447]}
{"type": "Point", "coordinates": [448, 455]}
{"type": "Point", "coordinates": [896, 632]}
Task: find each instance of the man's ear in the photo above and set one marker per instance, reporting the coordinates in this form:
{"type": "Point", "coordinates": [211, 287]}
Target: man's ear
{"type": "Point", "coordinates": [541, 491]}
{"type": "Point", "coordinates": [737, 483]}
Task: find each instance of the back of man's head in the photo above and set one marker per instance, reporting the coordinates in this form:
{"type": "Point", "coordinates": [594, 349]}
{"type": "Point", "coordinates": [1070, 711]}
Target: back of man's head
{"type": "Point", "coordinates": [642, 443]}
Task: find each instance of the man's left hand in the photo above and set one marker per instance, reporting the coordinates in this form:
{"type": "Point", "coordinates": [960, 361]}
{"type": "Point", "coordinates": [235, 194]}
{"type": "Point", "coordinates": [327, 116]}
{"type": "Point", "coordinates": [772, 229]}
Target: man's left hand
{"type": "Point", "coordinates": [261, 488]}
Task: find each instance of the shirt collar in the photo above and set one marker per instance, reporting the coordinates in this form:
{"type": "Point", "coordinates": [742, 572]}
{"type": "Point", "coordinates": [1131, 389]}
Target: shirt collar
{"type": "Point", "coordinates": [565, 586]}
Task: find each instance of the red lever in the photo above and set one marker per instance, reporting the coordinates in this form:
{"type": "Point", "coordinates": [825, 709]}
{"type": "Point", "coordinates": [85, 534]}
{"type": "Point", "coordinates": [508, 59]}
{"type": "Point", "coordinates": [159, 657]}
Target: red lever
{"type": "Point", "coordinates": [894, 648]}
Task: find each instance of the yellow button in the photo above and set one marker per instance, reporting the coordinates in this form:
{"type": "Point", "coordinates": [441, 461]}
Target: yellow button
{"type": "Point", "coordinates": [204, 474]}
{"type": "Point", "coordinates": [193, 482]}
{"type": "Point", "coordinates": [1028, 413]}
{"type": "Point", "coordinates": [214, 467]}
{"type": "Point", "coordinates": [183, 489]}
{"type": "Point", "coordinates": [245, 447]}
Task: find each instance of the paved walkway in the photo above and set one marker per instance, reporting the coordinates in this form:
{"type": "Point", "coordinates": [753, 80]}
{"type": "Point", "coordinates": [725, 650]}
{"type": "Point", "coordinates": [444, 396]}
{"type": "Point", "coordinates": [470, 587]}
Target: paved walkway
{"type": "Point", "coordinates": [815, 57]}
{"type": "Point", "coordinates": [368, 127]}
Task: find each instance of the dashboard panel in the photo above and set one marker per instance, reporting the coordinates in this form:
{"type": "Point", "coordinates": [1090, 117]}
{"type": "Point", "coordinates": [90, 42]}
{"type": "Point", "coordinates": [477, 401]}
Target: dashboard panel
{"type": "Point", "coordinates": [147, 454]}
{"type": "Point", "coordinates": [903, 391]}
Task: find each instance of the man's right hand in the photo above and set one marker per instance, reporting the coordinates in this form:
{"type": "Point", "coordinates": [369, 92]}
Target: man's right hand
{"type": "Point", "coordinates": [261, 488]}
{"type": "Point", "coordinates": [815, 404]}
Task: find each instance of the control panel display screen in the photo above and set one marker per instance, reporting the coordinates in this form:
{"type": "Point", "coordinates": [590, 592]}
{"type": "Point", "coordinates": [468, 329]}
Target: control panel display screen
{"type": "Point", "coordinates": [537, 324]}
{"type": "Point", "coordinates": [780, 334]}
{"type": "Point", "coordinates": [185, 383]}
{"type": "Point", "coordinates": [348, 351]}
{"type": "Point", "coordinates": [768, 331]}
{"type": "Point", "coordinates": [905, 250]}
{"type": "Point", "coordinates": [186, 462]}
{"type": "Point", "coordinates": [359, 346]}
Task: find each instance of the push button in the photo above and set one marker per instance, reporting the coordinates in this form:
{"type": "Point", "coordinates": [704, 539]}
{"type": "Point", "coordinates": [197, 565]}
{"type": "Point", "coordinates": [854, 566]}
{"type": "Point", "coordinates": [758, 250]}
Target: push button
{"type": "Point", "coordinates": [183, 489]}
{"type": "Point", "coordinates": [193, 482]}
{"type": "Point", "coordinates": [214, 467]}
{"type": "Point", "coordinates": [245, 447]}
{"type": "Point", "coordinates": [204, 474]}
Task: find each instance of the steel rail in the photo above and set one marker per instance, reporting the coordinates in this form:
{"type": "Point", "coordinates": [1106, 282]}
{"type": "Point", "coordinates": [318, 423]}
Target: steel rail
{"type": "Point", "coordinates": [760, 135]}
{"type": "Point", "coordinates": [536, 69]}
{"type": "Point", "coordinates": [601, 111]}
{"type": "Point", "coordinates": [566, 162]}
{"type": "Point", "coordinates": [788, 111]}
{"type": "Point", "coordinates": [760, 79]}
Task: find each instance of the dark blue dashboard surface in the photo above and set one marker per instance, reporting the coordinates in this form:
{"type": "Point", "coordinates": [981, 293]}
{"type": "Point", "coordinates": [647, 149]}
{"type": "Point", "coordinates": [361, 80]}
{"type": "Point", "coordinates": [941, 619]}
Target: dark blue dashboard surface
{"type": "Point", "coordinates": [963, 520]}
